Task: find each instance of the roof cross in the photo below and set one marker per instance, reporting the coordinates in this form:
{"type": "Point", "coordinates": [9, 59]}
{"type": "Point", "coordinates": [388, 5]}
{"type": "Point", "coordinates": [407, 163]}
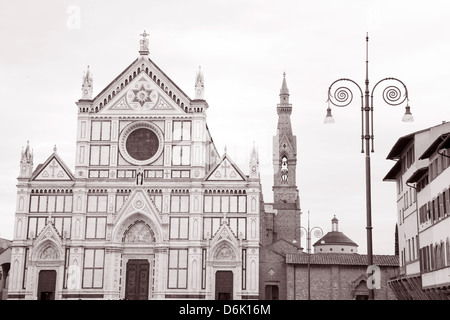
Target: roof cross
{"type": "Point", "coordinates": [144, 41]}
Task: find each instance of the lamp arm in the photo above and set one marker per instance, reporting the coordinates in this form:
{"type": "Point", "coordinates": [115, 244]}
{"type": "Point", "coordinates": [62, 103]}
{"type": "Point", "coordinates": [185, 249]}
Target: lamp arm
{"type": "Point", "coordinates": [342, 96]}
{"type": "Point", "coordinates": [318, 232]}
{"type": "Point", "coordinates": [391, 94]}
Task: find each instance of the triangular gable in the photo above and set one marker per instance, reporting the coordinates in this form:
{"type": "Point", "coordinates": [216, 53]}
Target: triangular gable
{"type": "Point", "coordinates": [224, 233]}
{"type": "Point", "coordinates": [49, 232]}
{"type": "Point", "coordinates": [285, 144]}
{"type": "Point", "coordinates": [143, 95]}
{"type": "Point", "coordinates": [48, 243]}
{"type": "Point", "coordinates": [53, 169]}
{"type": "Point", "coordinates": [226, 170]}
{"type": "Point", "coordinates": [125, 91]}
{"type": "Point", "coordinates": [139, 208]}
{"type": "Point", "coordinates": [138, 200]}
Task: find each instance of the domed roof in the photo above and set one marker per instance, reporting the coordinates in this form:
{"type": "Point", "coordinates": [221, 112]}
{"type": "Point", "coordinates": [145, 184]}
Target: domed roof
{"type": "Point", "coordinates": [335, 237]}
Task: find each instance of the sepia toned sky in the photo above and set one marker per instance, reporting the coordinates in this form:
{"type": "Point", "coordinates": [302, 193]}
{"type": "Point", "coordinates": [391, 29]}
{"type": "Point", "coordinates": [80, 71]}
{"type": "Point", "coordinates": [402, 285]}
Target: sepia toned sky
{"type": "Point", "coordinates": [243, 48]}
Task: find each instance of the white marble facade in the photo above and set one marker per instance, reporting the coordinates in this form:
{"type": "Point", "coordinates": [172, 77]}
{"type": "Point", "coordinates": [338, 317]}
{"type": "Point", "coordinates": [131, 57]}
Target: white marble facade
{"type": "Point", "coordinates": [151, 210]}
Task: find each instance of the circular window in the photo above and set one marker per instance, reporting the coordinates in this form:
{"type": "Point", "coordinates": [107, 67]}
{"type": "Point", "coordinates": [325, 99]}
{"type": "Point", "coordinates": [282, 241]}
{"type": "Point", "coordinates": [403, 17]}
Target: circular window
{"type": "Point", "coordinates": [140, 143]}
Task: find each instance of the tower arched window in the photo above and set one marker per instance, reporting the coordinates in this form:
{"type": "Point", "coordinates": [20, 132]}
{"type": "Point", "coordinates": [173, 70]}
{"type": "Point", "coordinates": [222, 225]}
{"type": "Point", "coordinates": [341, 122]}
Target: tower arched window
{"type": "Point", "coordinates": [284, 169]}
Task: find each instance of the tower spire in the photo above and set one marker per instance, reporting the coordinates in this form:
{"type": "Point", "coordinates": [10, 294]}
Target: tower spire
{"type": "Point", "coordinates": [199, 85]}
{"type": "Point", "coordinates": [87, 86]}
{"type": "Point", "coordinates": [26, 162]}
{"type": "Point", "coordinates": [254, 163]}
{"type": "Point", "coordinates": [284, 91]}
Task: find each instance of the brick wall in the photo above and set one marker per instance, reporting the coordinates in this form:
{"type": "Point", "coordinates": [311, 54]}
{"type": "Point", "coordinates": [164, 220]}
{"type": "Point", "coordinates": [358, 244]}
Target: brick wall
{"type": "Point", "coordinates": [333, 282]}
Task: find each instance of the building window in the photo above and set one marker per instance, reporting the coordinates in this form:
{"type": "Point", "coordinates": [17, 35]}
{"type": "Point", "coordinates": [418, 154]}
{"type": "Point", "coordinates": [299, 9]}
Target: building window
{"type": "Point", "coordinates": [25, 270]}
{"type": "Point", "coordinates": [99, 156]}
{"type": "Point", "coordinates": [35, 226]}
{"type": "Point", "coordinates": [181, 155]}
{"type": "Point", "coordinates": [100, 130]}
{"type": "Point", "coordinates": [244, 269]}
{"type": "Point", "coordinates": [66, 267]}
{"type": "Point", "coordinates": [179, 203]}
{"type": "Point", "coordinates": [271, 292]}
{"type": "Point", "coordinates": [95, 227]}
{"type": "Point", "coordinates": [219, 203]}
{"type": "Point", "coordinates": [179, 228]}
{"type": "Point", "coordinates": [93, 268]}
{"type": "Point", "coordinates": [50, 203]}
{"type": "Point", "coordinates": [63, 226]}
{"type": "Point", "coordinates": [97, 203]}
{"type": "Point", "coordinates": [177, 269]}
{"type": "Point", "coordinates": [447, 249]}
{"type": "Point", "coordinates": [203, 268]}
{"type": "Point", "coordinates": [410, 157]}
{"type": "Point", "coordinates": [181, 130]}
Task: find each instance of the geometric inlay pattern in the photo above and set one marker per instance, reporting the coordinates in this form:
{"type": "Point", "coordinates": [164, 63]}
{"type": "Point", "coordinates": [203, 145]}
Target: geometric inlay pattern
{"type": "Point", "coordinates": [142, 96]}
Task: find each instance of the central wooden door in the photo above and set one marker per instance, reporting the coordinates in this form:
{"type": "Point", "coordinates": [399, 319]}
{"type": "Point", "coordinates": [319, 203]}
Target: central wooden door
{"type": "Point", "coordinates": [137, 280]}
{"type": "Point", "coordinates": [224, 285]}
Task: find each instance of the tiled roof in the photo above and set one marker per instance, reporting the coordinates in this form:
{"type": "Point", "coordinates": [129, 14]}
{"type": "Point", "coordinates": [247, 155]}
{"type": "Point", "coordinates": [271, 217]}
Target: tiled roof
{"type": "Point", "coordinates": [341, 259]}
{"type": "Point", "coordinates": [335, 237]}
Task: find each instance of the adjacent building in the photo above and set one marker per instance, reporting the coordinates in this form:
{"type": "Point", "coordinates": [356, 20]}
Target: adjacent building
{"type": "Point", "coordinates": [423, 205]}
{"type": "Point", "coordinates": [5, 265]}
{"type": "Point", "coordinates": [151, 209]}
{"type": "Point", "coordinates": [335, 271]}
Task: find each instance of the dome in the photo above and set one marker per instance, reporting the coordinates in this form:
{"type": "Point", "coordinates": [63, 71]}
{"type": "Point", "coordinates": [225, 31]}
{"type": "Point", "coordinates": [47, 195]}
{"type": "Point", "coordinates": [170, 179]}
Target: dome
{"type": "Point", "coordinates": [335, 241]}
{"type": "Point", "coordinates": [335, 237]}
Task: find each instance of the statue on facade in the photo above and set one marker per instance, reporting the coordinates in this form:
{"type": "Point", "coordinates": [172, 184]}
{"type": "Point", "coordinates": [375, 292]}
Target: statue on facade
{"type": "Point", "coordinates": [139, 177]}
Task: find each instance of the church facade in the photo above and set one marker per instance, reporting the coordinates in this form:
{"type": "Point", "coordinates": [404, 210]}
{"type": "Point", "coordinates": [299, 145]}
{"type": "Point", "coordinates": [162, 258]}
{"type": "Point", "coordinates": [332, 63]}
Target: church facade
{"type": "Point", "coordinates": [151, 211]}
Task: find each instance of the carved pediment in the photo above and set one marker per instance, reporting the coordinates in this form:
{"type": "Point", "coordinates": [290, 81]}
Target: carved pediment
{"type": "Point", "coordinates": [226, 170]}
{"type": "Point", "coordinates": [52, 169]}
{"type": "Point", "coordinates": [138, 207]}
{"type": "Point", "coordinates": [142, 95]}
{"type": "Point", "coordinates": [48, 244]}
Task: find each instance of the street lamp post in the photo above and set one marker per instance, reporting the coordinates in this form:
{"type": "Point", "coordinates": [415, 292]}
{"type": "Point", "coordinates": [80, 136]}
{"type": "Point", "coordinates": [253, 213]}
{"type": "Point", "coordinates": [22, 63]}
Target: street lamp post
{"type": "Point", "coordinates": [394, 94]}
{"type": "Point", "coordinates": [317, 233]}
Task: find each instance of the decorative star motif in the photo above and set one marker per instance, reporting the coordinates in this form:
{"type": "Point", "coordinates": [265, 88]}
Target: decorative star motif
{"type": "Point", "coordinates": [142, 95]}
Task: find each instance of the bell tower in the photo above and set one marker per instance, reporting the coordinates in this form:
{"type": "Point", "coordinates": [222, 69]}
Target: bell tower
{"type": "Point", "coordinates": [284, 152]}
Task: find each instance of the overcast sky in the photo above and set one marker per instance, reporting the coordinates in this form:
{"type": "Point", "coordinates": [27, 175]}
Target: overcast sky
{"type": "Point", "coordinates": [243, 48]}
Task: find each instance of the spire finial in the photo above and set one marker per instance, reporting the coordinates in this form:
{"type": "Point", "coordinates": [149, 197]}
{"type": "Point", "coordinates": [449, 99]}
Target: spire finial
{"type": "Point", "coordinates": [144, 43]}
{"type": "Point", "coordinates": [54, 149]}
{"type": "Point", "coordinates": [225, 149]}
{"type": "Point", "coordinates": [284, 89]}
